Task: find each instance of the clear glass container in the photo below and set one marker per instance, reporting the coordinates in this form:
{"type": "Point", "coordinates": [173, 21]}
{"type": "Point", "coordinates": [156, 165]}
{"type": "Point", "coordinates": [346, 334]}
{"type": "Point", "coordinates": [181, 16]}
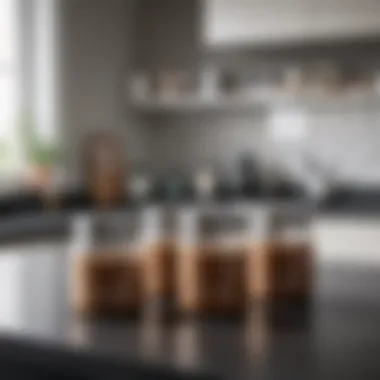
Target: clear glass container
{"type": "Point", "coordinates": [211, 260]}
{"type": "Point", "coordinates": [159, 258]}
{"type": "Point", "coordinates": [283, 266]}
{"type": "Point", "coordinates": [108, 275]}
{"type": "Point", "coordinates": [290, 226]}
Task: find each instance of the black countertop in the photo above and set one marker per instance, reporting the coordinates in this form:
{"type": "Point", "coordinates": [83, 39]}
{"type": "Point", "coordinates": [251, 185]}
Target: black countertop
{"type": "Point", "coordinates": [338, 336]}
{"type": "Point", "coordinates": [343, 200]}
{"type": "Point", "coordinates": [346, 201]}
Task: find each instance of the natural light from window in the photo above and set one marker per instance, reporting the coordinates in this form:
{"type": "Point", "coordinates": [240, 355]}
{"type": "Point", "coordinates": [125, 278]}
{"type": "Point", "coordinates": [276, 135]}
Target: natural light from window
{"type": "Point", "coordinates": [10, 150]}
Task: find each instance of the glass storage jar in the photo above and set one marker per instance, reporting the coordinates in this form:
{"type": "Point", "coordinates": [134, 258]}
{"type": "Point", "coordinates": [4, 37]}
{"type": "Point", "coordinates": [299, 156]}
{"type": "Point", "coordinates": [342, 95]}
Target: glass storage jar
{"type": "Point", "coordinates": [211, 261]}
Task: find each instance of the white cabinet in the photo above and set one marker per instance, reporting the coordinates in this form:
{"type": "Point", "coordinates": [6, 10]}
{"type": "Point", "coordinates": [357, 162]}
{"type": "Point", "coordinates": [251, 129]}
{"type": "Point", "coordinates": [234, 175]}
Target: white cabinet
{"type": "Point", "coordinates": [235, 22]}
{"type": "Point", "coordinates": [244, 21]}
{"type": "Point", "coordinates": [343, 18]}
{"type": "Point", "coordinates": [347, 239]}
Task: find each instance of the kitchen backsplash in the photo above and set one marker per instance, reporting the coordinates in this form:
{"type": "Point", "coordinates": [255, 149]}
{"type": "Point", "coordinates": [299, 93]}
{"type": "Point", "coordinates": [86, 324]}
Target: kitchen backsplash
{"type": "Point", "coordinates": [343, 144]}
{"type": "Point", "coordinates": [343, 141]}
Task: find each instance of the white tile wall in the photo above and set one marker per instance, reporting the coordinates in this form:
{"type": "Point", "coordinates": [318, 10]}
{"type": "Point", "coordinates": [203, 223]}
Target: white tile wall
{"type": "Point", "coordinates": [347, 143]}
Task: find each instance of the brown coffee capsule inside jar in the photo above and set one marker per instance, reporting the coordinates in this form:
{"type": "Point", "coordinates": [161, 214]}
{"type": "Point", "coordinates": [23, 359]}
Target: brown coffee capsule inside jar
{"type": "Point", "coordinates": [107, 276]}
{"type": "Point", "coordinates": [281, 264]}
{"type": "Point", "coordinates": [210, 271]}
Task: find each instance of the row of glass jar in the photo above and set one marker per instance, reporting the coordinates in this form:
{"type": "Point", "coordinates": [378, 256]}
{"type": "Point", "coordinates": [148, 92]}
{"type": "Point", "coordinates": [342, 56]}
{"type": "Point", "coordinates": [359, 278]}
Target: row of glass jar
{"type": "Point", "coordinates": [200, 260]}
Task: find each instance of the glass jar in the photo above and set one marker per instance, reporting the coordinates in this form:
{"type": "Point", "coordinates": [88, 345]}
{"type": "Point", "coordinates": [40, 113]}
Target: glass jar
{"type": "Point", "coordinates": [159, 256]}
{"type": "Point", "coordinates": [108, 276]}
{"type": "Point", "coordinates": [211, 261]}
{"type": "Point", "coordinates": [283, 265]}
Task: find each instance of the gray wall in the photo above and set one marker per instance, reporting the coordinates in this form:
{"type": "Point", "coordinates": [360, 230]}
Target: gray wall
{"type": "Point", "coordinates": [26, 37]}
{"type": "Point", "coordinates": [96, 54]}
{"type": "Point", "coordinates": [344, 139]}
{"type": "Point", "coordinates": [186, 141]}
{"type": "Point", "coordinates": [104, 41]}
{"type": "Point", "coordinates": [167, 35]}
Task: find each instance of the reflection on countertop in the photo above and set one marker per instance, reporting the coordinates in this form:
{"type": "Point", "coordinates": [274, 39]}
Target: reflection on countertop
{"type": "Point", "coordinates": [317, 341]}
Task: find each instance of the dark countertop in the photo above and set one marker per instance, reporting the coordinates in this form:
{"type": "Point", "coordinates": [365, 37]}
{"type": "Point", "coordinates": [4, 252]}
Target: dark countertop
{"type": "Point", "coordinates": [342, 200]}
{"type": "Point", "coordinates": [338, 338]}
{"type": "Point", "coordinates": [350, 201]}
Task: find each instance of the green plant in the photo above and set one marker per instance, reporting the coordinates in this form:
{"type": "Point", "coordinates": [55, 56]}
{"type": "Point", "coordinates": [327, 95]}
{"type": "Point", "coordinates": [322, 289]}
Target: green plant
{"type": "Point", "coordinates": [38, 151]}
{"type": "Point", "coordinates": [44, 154]}
{"type": "Point", "coordinates": [4, 151]}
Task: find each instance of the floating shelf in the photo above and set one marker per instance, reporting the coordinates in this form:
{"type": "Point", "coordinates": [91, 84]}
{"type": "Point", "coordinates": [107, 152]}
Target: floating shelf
{"type": "Point", "coordinates": [344, 102]}
{"type": "Point", "coordinates": [195, 104]}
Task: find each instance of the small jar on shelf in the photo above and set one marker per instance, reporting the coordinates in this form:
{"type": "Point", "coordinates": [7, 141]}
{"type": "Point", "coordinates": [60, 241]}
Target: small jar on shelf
{"type": "Point", "coordinates": [139, 87]}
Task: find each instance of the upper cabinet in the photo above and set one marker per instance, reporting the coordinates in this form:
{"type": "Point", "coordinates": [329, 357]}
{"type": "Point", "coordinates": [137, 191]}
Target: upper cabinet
{"type": "Point", "coordinates": [260, 22]}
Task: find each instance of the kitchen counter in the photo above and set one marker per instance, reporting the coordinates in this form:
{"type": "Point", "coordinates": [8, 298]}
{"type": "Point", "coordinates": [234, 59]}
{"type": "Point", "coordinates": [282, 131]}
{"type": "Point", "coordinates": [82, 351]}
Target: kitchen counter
{"type": "Point", "coordinates": [337, 337]}
{"type": "Point", "coordinates": [352, 201]}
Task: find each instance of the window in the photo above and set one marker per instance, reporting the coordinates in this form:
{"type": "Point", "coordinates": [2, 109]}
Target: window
{"type": "Point", "coordinates": [10, 149]}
